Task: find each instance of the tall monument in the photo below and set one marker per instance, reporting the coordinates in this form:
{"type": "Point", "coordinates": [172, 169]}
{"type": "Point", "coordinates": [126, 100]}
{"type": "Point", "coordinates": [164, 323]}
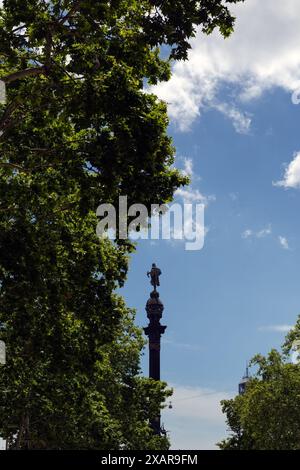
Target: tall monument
{"type": "Point", "coordinates": [154, 330]}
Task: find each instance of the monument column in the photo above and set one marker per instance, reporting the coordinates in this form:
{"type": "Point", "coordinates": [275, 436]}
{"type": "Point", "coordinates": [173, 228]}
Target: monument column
{"type": "Point", "coordinates": [154, 330]}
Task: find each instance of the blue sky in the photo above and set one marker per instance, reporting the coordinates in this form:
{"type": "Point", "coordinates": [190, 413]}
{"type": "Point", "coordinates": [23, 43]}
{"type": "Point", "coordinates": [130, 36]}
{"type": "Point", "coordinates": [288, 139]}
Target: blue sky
{"type": "Point", "coordinates": [237, 131]}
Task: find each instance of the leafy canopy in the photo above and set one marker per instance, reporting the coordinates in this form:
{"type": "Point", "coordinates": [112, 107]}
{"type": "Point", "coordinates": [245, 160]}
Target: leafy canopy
{"type": "Point", "coordinates": [267, 415]}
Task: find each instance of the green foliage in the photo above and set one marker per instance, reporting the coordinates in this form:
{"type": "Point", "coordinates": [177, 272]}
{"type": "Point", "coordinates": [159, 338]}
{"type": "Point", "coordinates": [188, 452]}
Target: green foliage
{"type": "Point", "coordinates": [78, 129]}
{"type": "Point", "coordinates": [292, 337]}
{"type": "Point", "coordinates": [267, 415]}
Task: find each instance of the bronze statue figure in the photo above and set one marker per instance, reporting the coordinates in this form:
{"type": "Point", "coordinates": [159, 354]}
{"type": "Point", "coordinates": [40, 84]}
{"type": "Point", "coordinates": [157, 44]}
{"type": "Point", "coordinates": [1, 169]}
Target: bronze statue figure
{"type": "Point", "coordinates": [154, 274]}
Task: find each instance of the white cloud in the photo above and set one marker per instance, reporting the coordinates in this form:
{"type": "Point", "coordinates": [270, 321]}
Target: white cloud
{"type": "Point", "coordinates": [260, 234]}
{"type": "Point", "coordinates": [276, 328]}
{"type": "Point", "coordinates": [284, 242]}
{"type": "Point", "coordinates": [247, 234]}
{"type": "Point", "coordinates": [264, 232]}
{"type": "Point", "coordinates": [196, 420]}
{"type": "Point", "coordinates": [185, 346]}
{"type": "Point", "coordinates": [234, 196]}
{"type": "Point", "coordinates": [262, 53]}
{"type": "Point", "coordinates": [188, 167]}
{"type": "Point", "coordinates": [193, 227]}
{"type": "Point", "coordinates": [241, 121]}
{"type": "Point", "coordinates": [186, 224]}
{"type": "Point", "coordinates": [189, 195]}
{"type": "Point", "coordinates": [291, 177]}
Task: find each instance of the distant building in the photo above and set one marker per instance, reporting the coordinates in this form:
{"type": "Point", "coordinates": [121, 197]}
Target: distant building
{"type": "Point", "coordinates": [244, 381]}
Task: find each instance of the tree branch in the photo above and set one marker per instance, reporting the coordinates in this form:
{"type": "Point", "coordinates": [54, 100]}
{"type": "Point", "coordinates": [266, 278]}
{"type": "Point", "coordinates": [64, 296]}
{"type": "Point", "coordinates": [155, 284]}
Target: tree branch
{"type": "Point", "coordinates": [23, 74]}
{"type": "Point", "coordinates": [8, 119]}
{"type": "Point", "coordinates": [6, 209]}
{"type": "Point", "coordinates": [22, 26]}
{"type": "Point", "coordinates": [8, 113]}
{"type": "Point", "coordinates": [48, 50]}
{"type": "Point", "coordinates": [14, 166]}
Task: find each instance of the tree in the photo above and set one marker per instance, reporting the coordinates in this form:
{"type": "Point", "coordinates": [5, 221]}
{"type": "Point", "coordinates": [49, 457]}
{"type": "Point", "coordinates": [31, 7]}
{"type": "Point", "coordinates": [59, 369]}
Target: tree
{"type": "Point", "coordinates": [267, 415]}
{"type": "Point", "coordinates": [78, 129]}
